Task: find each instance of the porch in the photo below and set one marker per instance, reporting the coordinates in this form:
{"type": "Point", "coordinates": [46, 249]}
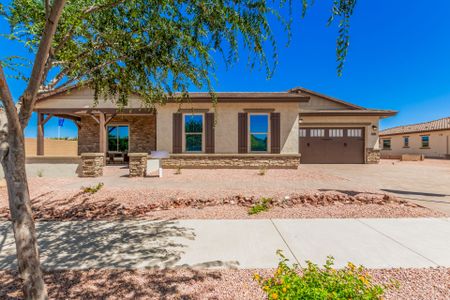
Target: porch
{"type": "Point", "coordinates": [115, 133]}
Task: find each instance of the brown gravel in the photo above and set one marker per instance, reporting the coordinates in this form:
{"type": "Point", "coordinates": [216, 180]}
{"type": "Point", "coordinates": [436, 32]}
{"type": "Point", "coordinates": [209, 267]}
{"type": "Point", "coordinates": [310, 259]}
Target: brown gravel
{"type": "Point", "coordinates": [432, 283]}
{"type": "Point", "coordinates": [55, 205]}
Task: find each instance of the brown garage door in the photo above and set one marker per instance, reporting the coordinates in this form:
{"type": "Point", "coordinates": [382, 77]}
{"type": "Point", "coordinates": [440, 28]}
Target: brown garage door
{"type": "Point", "coordinates": [332, 145]}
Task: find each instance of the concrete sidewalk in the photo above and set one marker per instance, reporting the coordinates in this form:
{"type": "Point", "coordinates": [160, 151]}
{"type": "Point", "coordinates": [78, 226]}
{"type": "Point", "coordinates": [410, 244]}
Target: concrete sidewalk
{"type": "Point", "coordinates": [374, 243]}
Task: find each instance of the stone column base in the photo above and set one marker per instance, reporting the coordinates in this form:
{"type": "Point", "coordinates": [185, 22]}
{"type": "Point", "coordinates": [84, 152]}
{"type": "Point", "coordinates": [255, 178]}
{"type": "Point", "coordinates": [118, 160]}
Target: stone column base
{"type": "Point", "coordinates": [138, 164]}
{"type": "Point", "coordinates": [92, 164]}
{"type": "Point", "coordinates": [372, 156]}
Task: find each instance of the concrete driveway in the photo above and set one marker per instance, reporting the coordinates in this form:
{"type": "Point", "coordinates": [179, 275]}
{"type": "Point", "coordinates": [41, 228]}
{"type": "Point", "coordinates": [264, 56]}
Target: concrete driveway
{"type": "Point", "coordinates": [426, 183]}
{"type": "Point", "coordinates": [246, 244]}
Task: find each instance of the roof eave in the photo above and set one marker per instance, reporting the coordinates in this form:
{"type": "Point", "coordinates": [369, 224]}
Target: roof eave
{"type": "Point", "coordinates": [384, 113]}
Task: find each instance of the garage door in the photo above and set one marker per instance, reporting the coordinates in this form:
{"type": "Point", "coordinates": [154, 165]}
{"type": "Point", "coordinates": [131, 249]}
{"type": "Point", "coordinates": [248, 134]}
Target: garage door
{"type": "Point", "coordinates": [332, 145]}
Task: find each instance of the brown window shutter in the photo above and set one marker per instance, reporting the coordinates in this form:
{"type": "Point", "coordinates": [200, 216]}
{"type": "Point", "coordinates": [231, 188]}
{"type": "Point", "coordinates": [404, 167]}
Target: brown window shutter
{"type": "Point", "coordinates": [177, 139]}
{"type": "Point", "coordinates": [275, 132]}
{"type": "Point", "coordinates": [242, 133]}
{"type": "Point", "coordinates": [209, 133]}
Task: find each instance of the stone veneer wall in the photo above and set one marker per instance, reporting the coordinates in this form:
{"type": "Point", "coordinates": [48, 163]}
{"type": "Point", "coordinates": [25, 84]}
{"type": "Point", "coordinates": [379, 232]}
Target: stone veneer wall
{"type": "Point", "coordinates": [138, 164]}
{"type": "Point", "coordinates": [92, 164]}
{"type": "Point", "coordinates": [373, 156]}
{"type": "Point", "coordinates": [244, 161]}
{"type": "Point", "coordinates": [142, 131]}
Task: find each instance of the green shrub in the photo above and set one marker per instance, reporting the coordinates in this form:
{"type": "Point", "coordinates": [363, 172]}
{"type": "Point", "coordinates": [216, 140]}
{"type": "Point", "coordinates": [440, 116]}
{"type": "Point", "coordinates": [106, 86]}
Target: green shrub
{"type": "Point", "coordinates": [312, 282]}
{"type": "Point", "coordinates": [178, 171]}
{"type": "Point", "coordinates": [40, 173]}
{"type": "Point", "coordinates": [93, 189]}
{"type": "Point", "coordinates": [262, 205]}
{"type": "Point", "coordinates": [262, 171]}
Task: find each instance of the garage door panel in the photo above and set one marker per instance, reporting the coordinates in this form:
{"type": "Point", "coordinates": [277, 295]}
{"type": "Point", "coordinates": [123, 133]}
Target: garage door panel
{"type": "Point", "coordinates": [333, 148]}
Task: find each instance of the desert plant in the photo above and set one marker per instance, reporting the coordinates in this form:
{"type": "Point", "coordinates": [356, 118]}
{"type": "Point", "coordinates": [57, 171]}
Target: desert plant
{"type": "Point", "coordinates": [93, 189]}
{"type": "Point", "coordinates": [262, 171]}
{"type": "Point", "coordinates": [262, 205]}
{"type": "Point", "coordinates": [40, 173]}
{"type": "Point", "coordinates": [178, 170]}
{"type": "Point", "coordinates": [313, 282]}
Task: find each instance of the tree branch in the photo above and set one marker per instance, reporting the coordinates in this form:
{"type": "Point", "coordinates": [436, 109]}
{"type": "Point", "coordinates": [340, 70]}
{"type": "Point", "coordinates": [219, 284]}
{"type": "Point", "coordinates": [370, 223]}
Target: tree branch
{"type": "Point", "coordinates": [87, 11]}
{"type": "Point", "coordinates": [8, 102]}
{"type": "Point", "coordinates": [8, 118]}
{"type": "Point", "coordinates": [28, 99]}
{"type": "Point", "coordinates": [96, 8]}
{"type": "Point", "coordinates": [47, 7]}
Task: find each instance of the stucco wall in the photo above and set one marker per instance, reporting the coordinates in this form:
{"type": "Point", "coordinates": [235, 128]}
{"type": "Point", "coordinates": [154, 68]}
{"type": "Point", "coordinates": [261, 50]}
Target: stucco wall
{"type": "Point", "coordinates": [371, 136]}
{"type": "Point", "coordinates": [316, 103]}
{"type": "Point", "coordinates": [439, 144]}
{"type": "Point", "coordinates": [83, 98]}
{"type": "Point", "coordinates": [226, 130]}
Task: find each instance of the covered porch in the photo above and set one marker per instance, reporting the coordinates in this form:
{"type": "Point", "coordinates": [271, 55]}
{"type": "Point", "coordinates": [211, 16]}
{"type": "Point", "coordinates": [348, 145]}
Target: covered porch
{"type": "Point", "coordinates": [109, 131]}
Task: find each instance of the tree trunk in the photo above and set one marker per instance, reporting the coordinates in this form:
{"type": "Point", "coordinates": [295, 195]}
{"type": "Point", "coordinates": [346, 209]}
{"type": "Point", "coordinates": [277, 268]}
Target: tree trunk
{"type": "Point", "coordinates": [22, 220]}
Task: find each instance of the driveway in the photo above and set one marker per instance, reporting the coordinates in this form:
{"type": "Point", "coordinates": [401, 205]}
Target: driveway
{"type": "Point", "coordinates": [244, 244]}
{"type": "Point", "coordinates": [426, 183]}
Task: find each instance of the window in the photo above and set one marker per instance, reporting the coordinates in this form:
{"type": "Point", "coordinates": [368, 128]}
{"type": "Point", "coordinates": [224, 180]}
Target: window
{"type": "Point", "coordinates": [193, 132]}
{"type": "Point", "coordinates": [425, 141]}
{"type": "Point", "coordinates": [386, 144]}
{"type": "Point", "coordinates": [118, 138]}
{"type": "Point", "coordinates": [354, 132]}
{"type": "Point", "coordinates": [336, 132]}
{"type": "Point", "coordinates": [317, 132]}
{"type": "Point", "coordinates": [406, 142]}
{"type": "Point", "coordinates": [259, 132]}
{"type": "Point", "coordinates": [302, 132]}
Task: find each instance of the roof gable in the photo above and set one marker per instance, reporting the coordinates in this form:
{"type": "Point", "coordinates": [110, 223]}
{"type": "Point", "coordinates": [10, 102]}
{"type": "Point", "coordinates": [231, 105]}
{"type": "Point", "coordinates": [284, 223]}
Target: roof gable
{"type": "Point", "coordinates": [440, 124]}
{"type": "Point", "coordinates": [320, 101]}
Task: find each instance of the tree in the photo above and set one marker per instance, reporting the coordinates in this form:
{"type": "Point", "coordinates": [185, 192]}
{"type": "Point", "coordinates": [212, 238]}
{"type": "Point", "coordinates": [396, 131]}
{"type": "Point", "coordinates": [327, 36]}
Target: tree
{"type": "Point", "coordinates": [152, 48]}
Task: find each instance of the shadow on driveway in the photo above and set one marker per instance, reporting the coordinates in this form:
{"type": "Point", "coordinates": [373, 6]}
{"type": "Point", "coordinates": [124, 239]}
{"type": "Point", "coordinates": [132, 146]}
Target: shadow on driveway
{"type": "Point", "coordinates": [401, 192]}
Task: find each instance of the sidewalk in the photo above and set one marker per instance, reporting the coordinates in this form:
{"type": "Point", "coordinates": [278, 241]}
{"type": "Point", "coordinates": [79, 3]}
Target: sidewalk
{"type": "Point", "coordinates": [374, 243]}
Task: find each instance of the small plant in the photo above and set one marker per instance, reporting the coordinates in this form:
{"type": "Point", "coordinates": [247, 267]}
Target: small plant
{"type": "Point", "coordinates": [262, 171]}
{"type": "Point", "coordinates": [40, 173]}
{"type": "Point", "coordinates": [178, 170]}
{"type": "Point", "coordinates": [262, 205]}
{"type": "Point", "coordinates": [93, 189]}
{"type": "Point", "coordinates": [312, 282]}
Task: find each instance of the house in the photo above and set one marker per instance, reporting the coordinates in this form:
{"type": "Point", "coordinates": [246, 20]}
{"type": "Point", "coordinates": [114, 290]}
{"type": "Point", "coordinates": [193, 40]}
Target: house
{"type": "Point", "coordinates": [432, 139]}
{"type": "Point", "coordinates": [244, 129]}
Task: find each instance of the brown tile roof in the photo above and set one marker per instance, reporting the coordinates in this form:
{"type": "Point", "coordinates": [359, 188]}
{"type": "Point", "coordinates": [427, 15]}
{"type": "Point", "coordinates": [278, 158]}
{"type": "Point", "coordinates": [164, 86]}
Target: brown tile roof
{"type": "Point", "coordinates": [441, 124]}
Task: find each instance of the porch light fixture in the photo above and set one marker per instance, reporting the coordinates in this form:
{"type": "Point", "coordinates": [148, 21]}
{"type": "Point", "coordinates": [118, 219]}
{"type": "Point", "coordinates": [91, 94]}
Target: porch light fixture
{"type": "Point", "coordinates": [374, 127]}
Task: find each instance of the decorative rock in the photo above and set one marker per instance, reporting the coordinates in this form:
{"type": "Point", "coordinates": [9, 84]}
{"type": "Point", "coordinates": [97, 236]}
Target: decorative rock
{"type": "Point", "coordinates": [227, 161]}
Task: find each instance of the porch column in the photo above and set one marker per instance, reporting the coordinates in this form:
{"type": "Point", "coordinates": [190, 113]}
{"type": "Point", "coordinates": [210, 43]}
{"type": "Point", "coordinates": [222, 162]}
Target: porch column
{"type": "Point", "coordinates": [102, 133]}
{"type": "Point", "coordinates": [40, 134]}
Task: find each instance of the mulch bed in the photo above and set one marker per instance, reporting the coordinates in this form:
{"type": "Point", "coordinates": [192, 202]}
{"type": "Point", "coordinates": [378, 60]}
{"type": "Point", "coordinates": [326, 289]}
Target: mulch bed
{"type": "Point", "coordinates": [81, 207]}
{"type": "Point", "coordinates": [431, 283]}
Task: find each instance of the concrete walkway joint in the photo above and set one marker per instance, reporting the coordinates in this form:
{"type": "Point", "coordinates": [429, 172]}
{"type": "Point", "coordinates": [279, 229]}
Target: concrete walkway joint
{"type": "Point", "coordinates": [136, 244]}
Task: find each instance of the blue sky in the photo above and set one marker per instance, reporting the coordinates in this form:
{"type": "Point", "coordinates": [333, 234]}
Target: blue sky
{"type": "Point", "coordinates": [398, 59]}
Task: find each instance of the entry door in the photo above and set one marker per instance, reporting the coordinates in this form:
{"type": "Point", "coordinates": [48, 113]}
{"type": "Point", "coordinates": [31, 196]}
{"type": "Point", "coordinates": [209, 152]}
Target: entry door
{"type": "Point", "coordinates": [331, 145]}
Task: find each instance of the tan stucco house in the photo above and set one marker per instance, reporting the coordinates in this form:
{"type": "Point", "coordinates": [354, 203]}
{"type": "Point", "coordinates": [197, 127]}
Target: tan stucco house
{"type": "Point", "coordinates": [244, 129]}
{"type": "Point", "coordinates": [432, 139]}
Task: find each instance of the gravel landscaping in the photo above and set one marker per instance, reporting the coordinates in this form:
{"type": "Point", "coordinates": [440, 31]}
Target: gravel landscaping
{"type": "Point", "coordinates": [113, 203]}
{"type": "Point", "coordinates": [432, 283]}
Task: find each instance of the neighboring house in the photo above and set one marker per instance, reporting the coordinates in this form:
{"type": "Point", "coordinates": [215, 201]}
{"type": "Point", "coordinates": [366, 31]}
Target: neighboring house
{"type": "Point", "coordinates": [431, 139]}
{"type": "Point", "coordinates": [248, 129]}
